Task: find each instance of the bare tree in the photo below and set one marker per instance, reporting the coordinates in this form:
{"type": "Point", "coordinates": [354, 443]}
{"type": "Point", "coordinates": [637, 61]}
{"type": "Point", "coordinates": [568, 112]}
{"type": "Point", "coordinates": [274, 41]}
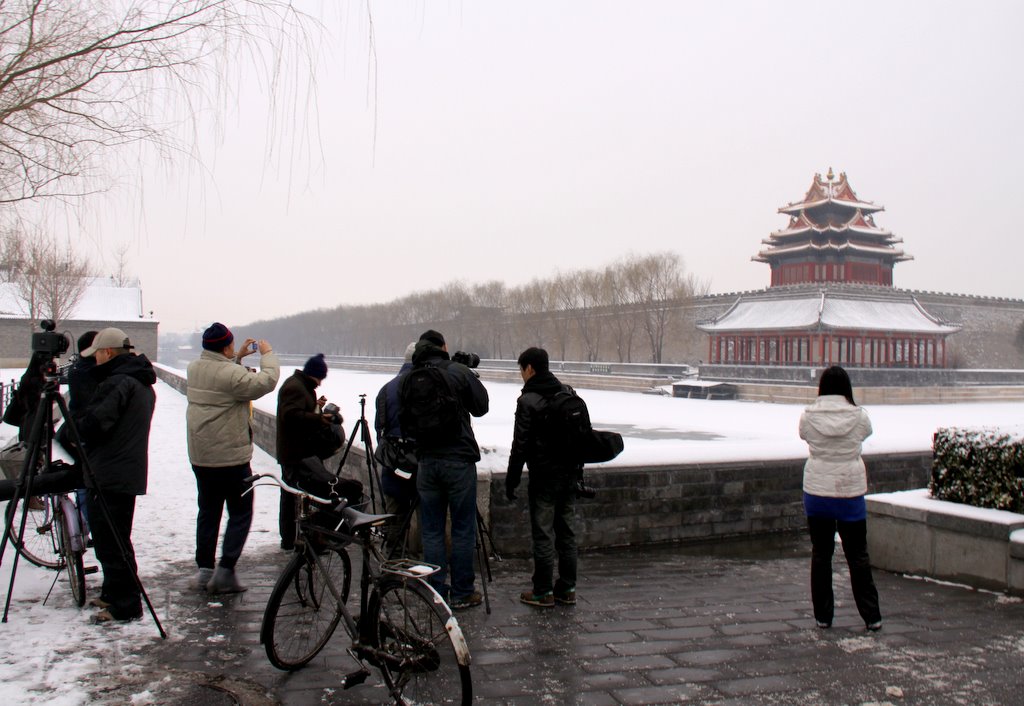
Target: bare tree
{"type": "Point", "coordinates": [655, 284]}
{"type": "Point", "coordinates": [49, 278]}
{"type": "Point", "coordinates": [120, 276]}
{"type": "Point", "coordinates": [78, 77]}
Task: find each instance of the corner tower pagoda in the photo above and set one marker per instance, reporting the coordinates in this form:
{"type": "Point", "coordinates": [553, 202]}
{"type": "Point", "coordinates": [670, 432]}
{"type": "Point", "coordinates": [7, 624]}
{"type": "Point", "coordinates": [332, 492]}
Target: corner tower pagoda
{"type": "Point", "coordinates": [831, 299]}
{"type": "Point", "coordinates": [831, 237]}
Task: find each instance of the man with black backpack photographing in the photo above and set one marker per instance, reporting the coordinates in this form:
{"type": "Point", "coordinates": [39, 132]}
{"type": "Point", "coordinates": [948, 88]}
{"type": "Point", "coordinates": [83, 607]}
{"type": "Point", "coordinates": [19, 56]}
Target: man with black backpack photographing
{"type": "Point", "coordinates": [550, 422]}
{"type": "Point", "coordinates": [436, 398]}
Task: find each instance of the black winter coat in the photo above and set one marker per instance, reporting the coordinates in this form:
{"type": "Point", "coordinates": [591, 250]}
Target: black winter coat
{"type": "Point", "coordinates": [472, 396]}
{"type": "Point", "coordinates": [115, 424]}
{"type": "Point", "coordinates": [298, 419]}
{"type": "Point", "coordinates": [529, 445]}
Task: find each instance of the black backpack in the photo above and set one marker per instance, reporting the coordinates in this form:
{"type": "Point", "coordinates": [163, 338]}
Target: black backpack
{"type": "Point", "coordinates": [570, 435]}
{"type": "Point", "coordinates": [567, 425]}
{"type": "Point", "coordinates": [429, 410]}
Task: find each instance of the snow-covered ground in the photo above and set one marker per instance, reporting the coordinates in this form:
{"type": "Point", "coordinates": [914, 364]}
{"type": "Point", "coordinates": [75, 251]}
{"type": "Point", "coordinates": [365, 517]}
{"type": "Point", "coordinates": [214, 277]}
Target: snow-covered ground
{"type": "Point", "coordinates": [50, 648]}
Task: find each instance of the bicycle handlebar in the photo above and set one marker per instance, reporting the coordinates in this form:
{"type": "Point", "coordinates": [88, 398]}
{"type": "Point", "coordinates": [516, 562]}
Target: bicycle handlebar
{"type": "Point", "coordinates": [274, 480]}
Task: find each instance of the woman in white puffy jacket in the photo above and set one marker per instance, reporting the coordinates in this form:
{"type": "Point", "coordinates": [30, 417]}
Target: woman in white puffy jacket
{"type": "Point", "coordinates": [835, 482]}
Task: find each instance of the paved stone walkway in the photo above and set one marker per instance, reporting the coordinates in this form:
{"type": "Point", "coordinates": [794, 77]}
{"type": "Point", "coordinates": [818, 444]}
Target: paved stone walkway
{"type": "Point", "coordinates": [726, 623]}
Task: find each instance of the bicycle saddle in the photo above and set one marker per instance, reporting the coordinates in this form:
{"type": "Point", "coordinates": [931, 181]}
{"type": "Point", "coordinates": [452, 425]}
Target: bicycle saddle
{"type": "Point", "coordinates": [357, 520]}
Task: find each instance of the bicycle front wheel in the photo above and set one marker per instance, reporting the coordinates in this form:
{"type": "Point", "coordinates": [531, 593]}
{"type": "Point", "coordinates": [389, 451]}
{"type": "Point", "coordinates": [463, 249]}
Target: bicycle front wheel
{"type": "Point", "coordinates": [40, 545]}
{"type": "Point", "coordinates": [72, 559]}
{"type": "Point", "coordinates": [305, 607]}
{"type": "Point", "coordinates": [424, 657]}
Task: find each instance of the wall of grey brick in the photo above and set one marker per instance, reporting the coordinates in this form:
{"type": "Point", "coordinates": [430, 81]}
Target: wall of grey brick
{"type": "Point", "coordinates": [16, 337]}
{"type": "Point", "coordinates": [689, 502]}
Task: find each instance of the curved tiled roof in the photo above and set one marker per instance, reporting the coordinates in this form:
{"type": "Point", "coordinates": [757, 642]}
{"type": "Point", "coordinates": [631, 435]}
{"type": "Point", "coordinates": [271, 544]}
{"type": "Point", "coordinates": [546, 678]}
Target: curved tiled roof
{"type": "Point", "coordinates": [826, 310]}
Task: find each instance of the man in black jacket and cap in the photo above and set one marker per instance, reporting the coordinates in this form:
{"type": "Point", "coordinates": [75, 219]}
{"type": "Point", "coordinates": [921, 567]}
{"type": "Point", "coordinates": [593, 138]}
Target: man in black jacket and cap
{"type": "Point", "coordinates": [114, 427]}
{"type": "Point", "coordinates": [552, 489]}
{"type": "Point", "coordinates": [446, 479]}
{"type": "Point", "coordinates": [300, 423]}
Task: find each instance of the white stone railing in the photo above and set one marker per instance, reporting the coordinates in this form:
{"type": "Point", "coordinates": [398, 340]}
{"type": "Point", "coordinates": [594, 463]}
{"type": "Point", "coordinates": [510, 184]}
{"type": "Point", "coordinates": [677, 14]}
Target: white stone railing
{"type": "Point", "coordinates": [910, 532]}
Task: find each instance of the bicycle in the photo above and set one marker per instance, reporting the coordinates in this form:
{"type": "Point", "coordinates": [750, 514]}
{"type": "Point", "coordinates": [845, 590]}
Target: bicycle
{"type": "Point", "coordinates": [54, 537]}
{"type": "Point", "coordinates": [403, 627]}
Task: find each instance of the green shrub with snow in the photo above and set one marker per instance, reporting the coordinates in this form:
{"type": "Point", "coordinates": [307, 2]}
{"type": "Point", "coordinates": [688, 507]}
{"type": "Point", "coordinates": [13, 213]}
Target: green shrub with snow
{"type": "Point", "coordinates": [980, 467]}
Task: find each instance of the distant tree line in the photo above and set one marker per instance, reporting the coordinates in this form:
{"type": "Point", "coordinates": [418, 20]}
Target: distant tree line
{"type": "Point", "coordinates": [630, 311]}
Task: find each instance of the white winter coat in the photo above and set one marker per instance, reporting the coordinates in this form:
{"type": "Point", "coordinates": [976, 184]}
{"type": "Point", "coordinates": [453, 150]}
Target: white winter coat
{"type": "Point", "coordinates": [834, 430]}
{"type": "Point", "coordinates": [220, 394]}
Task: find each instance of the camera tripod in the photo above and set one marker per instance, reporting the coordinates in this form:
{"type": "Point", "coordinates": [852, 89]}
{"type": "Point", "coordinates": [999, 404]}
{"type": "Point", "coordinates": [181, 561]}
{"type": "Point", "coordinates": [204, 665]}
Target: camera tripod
{"type": "Point", "coordinates": [362, 427]}
{"type": "Point", "coordinates": [398, 544]}
{"type": "Point", "coordinates": [40, 454]}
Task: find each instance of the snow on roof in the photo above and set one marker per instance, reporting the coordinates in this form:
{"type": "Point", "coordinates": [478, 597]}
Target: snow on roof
{"type": "Point", "coordinates": [102, 301]}
{"type": "Point", "coordinates": [827, 311]}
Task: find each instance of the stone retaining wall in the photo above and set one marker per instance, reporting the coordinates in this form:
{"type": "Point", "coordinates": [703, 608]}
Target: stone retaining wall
{"type": "Point", "coordinates": [647, 505]}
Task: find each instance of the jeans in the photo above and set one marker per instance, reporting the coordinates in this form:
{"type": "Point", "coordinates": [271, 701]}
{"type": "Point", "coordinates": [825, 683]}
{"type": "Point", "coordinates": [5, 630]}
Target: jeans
{"type": "Point", "coordinates": [119, 569]}
{"type": "Point", "coordinates": [219, 487]}
{"type": "Point", "coordinates": [854, 536]}
{"type": "Point", "coordinates": [448, 485]}
{"type": "Point", "coordinates": [552, 514]}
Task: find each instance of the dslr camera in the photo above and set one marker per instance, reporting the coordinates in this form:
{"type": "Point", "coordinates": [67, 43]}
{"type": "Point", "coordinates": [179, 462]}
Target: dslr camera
{"type": "Point", "coordinates": [48, 341]}
{"type": "Point", "coordinates": [470, 360]}
{"type": "Point", "coordinates": [333, 410]}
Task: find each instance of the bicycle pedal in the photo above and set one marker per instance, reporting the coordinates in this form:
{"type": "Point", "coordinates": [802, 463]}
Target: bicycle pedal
{"type": "Point", "coordinates": [355, 678]}
{"type": "Point", "coordinates": [91, 569]}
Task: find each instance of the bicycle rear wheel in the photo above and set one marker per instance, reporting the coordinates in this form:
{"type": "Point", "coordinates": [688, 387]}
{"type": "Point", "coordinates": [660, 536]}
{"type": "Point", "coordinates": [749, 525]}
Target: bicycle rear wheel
{"type": "Point", "coordinates": [305, 607]}
{"type": "Point", "coordinates": [424, 659]}
{"type": "Point", "coordinates": [40, 545]}
{"type": "Point", "coordinates": [72, 559]}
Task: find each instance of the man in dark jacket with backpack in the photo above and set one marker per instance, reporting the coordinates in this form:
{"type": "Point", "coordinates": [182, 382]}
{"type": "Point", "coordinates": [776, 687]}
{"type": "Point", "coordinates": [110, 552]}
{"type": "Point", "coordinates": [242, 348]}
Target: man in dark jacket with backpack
{"type": "Point", "coordinates": [114, 427]}
{"type": "Point", "coordinates": [435, 411]}
{"type": "Point", "coordinates": [540, 442]}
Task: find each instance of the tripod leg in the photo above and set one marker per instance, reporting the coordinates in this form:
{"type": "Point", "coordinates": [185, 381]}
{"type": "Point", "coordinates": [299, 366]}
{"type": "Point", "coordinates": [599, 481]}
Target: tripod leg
{"type": "Point", "coordinates": [44, 416]}
{"type": "Point", "coordinates": [481, 562]}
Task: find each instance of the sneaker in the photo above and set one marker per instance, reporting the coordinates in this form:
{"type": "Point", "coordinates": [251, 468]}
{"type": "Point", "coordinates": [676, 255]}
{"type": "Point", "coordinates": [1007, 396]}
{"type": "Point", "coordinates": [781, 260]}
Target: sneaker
{"type": "Point", "coordinates": [471, 601]}
{"type": "Point", "coordinates": [224, 581]}
{"type": "Point", "coordinates": [875, 626]}
{"type": "Point", "coordinates": [566, 598]}
{"type": "Point", "coordinates": [822, 624]}
{"type": "Point", "coordinates": [202, 578]}
{"type": "Point", "coordinates": [544, 601]}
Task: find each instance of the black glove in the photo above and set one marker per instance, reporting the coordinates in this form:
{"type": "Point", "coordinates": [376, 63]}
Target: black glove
{"type": "Point", "coordinates": [510, 492]}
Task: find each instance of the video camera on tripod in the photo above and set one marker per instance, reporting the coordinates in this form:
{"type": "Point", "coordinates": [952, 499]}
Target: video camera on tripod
{"type": "Point", "coordinates": [48, 341]}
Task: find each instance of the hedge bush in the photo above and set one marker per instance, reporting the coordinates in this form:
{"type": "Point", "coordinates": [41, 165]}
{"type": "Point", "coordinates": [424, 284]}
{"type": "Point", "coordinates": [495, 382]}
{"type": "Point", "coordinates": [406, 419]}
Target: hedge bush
{"type": "Point", "coordinates": [980, 467]}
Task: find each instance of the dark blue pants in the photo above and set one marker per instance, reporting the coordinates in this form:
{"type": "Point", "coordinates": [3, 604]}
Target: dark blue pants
{"type": "Point", "coordinates": [119, 568]}
{"type": "Point", "coordinates": [448, 485]}
{"type": "Point", "coordinates": [854, 536]}
{"type": "Point", "coordinates": [552, 515]}
{"type": "Point", "coordinates": [220, 487]}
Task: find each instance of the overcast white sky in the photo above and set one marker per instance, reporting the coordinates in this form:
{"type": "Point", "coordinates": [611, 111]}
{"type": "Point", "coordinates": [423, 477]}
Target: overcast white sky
{"type": "Point", "coordinates": [511, 140]}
